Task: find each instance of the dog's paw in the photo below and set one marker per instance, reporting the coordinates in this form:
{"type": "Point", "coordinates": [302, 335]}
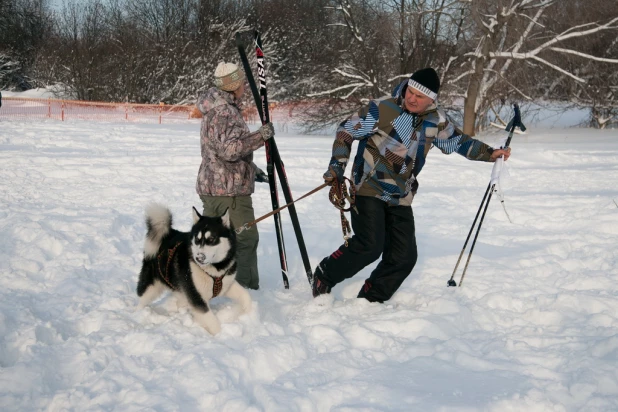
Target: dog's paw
{"type": "Point", "coordinates": [181, 302]}
{"type": "Point", "coordinates": [208, 321]}
{"type": "Point", "coordinates": [140, 306]}
{"type": "Point", "coordinates": [240, 295]}
{"type": "Point", "coordinates": [214, 329]}
{"type": "Point", "coordinates": [246, 307]}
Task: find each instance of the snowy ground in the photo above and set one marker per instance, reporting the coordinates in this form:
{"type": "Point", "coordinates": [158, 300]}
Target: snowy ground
{"type": "Point", "coordinates": [534, 328]}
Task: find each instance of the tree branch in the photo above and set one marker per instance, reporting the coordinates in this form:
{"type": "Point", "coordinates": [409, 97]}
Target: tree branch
{"type": "Point", "coordinates": [587, 56]}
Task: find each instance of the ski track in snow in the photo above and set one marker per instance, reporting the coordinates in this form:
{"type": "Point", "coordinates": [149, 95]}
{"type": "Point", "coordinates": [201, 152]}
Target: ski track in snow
{"type": "Point", "coordinates": [533, 328]}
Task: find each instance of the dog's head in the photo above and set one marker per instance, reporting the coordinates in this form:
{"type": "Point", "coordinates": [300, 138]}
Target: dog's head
{"type": "Point", "coordinates": [212, 238]}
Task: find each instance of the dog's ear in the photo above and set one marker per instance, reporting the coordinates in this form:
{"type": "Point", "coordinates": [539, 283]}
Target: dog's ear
{"type": "Point", "coordinates": [226, 218]}
{"type": "Point", "coordinates": [196, 215]}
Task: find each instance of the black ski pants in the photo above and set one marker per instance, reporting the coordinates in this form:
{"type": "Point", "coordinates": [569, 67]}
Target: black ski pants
{"type": "Point", "coordinates": [379, 229]}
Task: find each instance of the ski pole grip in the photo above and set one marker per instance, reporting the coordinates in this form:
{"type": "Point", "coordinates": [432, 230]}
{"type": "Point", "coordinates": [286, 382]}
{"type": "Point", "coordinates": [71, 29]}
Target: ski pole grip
{"type": "Point", "coordinates": [515, 122]}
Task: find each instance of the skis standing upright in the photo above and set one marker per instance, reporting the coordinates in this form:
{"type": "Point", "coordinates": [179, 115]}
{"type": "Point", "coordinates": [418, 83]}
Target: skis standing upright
{"type": "Point", "coordinates": [273, 159]}
{"type": "Point", "coordinates": [261, 102]}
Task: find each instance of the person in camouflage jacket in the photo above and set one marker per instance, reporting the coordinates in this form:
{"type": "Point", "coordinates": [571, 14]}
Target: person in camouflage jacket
{"type": "Point", "coordinates": [394, 136]}
{"type": "Point", "coordinates": [227, 174]}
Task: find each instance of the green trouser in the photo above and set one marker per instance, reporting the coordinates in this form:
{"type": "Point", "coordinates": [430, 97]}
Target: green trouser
{"type": "Point", "coordinates": [241, 212]}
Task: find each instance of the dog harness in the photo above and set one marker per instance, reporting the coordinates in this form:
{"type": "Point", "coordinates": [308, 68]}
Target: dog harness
{"type": "Point", "coordinates": [170, 256]}
{"type": "Point", "coordinates": [217, 283]}
{"type": "Point", "coordinates": [164, 270]}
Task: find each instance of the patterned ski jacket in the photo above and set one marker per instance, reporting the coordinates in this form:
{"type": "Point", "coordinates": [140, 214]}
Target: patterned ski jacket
{"type": "Point", "coordinates": [227, 147]}
{"type": "Point", "coordinates": [393, 145]}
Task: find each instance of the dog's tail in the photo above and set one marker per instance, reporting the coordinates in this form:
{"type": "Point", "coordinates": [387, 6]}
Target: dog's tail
{"type": "Point", "coordinates": [159, 224]}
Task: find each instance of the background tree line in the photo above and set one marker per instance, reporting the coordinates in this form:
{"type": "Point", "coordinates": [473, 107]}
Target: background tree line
{"type": "Point", "coordinates": [344, 52]}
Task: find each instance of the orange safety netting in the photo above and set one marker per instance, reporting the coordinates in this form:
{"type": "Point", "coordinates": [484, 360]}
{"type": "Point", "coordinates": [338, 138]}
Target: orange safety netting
{"type": "Point", "coordinates": [66, 110]}
{"type": "Point", "coordinates": [31, 108]}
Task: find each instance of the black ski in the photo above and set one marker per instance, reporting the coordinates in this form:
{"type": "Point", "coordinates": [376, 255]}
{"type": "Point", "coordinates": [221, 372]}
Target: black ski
{"type": "Point", "coordinates": [273, 158]}
{"type": "Point", "coordinates": [274, 197]}
{"type": "Point", "coordinates": [287, 193]}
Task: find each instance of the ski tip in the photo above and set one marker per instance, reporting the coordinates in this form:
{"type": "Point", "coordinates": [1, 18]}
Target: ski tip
{"type": "Point", "coordinates": [257, 39]}
{"type": "Point", "coordinates": [239, 42]}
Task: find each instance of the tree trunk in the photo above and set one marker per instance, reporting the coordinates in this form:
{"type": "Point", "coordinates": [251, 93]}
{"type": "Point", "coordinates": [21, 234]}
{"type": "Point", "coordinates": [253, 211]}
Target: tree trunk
{"type": "Point", "coordinates": [474, 87]}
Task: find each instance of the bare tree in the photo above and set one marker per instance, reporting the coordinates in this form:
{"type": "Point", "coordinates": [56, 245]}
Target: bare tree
{"type": "Point", "coordinates": [342, 52]}
{"type": "Point", "coordinates": [360, 61]}
{"type": "Point", "coordinates": [388, 40]}
{"type": "Point", "coordinates": [599, 92]}
{"type": "Point", "coordinates": [24, 26]}
{"type": "Point", "coordinates": [515, 31]}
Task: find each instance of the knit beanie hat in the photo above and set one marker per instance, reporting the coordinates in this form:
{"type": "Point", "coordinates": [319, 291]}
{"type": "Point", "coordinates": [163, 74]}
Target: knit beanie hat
{"type": "Point", "coordinates": [228, 77]}
{"type": "Point", "coordinates": [425, 81]}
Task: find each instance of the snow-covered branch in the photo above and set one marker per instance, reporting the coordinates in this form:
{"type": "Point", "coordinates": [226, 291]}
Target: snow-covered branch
{"type": "Point", "coordinates": [352, 76]}
{"type": "Point", "coordinates": [569, 35]}
{"type": "Point", "coordinates": [584, 55]}
{"type": "Point", "coordinates": [355, 86]}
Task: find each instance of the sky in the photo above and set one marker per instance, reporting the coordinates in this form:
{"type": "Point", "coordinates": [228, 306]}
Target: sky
{"type": "Point", "coordinates": [534, 327]}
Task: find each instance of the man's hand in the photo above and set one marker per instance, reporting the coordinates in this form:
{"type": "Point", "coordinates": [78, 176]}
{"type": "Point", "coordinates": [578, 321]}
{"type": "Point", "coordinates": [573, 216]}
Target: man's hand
{"type": "Point", "coordinates": [260, 175]}
{"type": "Point", "coordinates": [267, 131]}
{"type": "Point", "coordinates": [500, 152]}
{"type": "Point", "coordinates": [334, 173]}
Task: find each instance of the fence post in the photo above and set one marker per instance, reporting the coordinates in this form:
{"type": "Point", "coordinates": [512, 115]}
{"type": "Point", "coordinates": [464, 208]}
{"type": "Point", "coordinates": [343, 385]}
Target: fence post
{"type": "Point", "coordinates": [62, 114]}
{"type": "Point", "coordinates": [160, 110]}
{"type": "Point", "coordinates": [126, 112]}
{"type": "Point", "coordinates": [49, 107]}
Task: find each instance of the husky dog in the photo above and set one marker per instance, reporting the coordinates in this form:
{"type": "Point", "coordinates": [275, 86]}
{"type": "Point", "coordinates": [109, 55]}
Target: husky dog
{"type": "Point", "coordinates": [196, 265]}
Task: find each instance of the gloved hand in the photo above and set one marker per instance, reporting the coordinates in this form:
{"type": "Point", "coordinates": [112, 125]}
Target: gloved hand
{"type": "Point", "coordinates": [334, 173]}
{"type": "Point", "coordinates": [267, 131]}
{"type": "Point", "coordinates": [260, 176]}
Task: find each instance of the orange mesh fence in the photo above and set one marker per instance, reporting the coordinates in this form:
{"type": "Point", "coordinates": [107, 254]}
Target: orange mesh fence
{"type": "Point", "coordinates": [30, 108]}
{"type": "Point", "coordinates": [66, 110]}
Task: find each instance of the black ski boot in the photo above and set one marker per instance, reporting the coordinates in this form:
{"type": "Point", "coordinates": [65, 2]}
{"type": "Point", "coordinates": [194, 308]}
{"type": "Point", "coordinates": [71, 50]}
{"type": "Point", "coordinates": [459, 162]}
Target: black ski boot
{"type": "Point", "coordinates": [318, 287]}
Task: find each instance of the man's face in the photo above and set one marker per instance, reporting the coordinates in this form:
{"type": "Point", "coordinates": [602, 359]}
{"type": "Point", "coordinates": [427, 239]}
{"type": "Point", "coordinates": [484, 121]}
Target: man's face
{"type": "Point", "coordinates": [416, 102]}
{"type": "Point", "coordinates": [240, 91]}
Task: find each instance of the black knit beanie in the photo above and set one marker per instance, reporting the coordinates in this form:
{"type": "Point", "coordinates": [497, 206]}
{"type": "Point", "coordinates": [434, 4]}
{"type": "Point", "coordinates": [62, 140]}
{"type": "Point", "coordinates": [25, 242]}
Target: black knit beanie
{"type": "Point", "coordinates": [425, 81]}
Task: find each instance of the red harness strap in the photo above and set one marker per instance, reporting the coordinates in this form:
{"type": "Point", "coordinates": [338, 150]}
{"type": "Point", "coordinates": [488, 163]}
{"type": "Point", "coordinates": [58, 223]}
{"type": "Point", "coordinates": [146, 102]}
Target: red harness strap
{"type": "Point", "coordinates": [217, 285]}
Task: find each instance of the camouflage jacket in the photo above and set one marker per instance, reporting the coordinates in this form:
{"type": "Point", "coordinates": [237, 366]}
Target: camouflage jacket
{"type": "Point", "coordinates": [393, 145]}
{"type": "Point", "coordinates": [227, 147]}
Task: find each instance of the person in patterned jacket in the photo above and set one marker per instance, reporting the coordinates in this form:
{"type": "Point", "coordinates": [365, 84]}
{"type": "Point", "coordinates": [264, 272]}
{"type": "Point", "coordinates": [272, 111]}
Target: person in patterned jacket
{"type": "Point", "coordinates": [394, 136]}
{"type": "Point", "coordinates": [227, 174]}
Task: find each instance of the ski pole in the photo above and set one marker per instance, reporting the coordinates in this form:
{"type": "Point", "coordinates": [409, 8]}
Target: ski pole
{"type": "Point", "coordinates": [515, 122]}
{"type": "Point", "coordinates": [451, 282]}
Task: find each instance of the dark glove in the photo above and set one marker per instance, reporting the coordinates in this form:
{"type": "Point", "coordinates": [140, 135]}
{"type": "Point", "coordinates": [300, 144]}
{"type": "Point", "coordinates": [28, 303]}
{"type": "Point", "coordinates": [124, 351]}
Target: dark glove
{"type": "Point", "coordinates": [260, 176]}
{"type": "Point", "coordinates": [267, 131]}
{"type": "Point", "coordinates": [334, 173]}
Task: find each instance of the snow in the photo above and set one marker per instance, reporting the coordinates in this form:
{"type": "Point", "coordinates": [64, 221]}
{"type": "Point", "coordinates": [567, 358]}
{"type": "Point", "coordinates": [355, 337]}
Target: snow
{"type": "Point", "coordinates": [37, 93]}
{"type": "Point", "coordinates": [534, 327]}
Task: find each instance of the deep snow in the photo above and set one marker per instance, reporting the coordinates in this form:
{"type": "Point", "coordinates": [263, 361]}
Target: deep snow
{"type": "Point", "coordinates": [533, 328]}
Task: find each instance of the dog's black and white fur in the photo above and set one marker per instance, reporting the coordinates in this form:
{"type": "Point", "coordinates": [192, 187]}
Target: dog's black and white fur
{"type": "Point", "coordinates": [195, 265]}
